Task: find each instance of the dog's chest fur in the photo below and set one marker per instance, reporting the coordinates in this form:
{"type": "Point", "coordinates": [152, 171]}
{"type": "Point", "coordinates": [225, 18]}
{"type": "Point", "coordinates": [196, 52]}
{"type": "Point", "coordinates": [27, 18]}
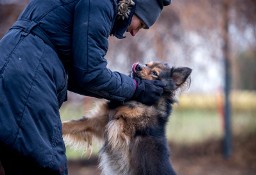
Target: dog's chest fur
{"type": "Point", "coordinates": [131, 127]}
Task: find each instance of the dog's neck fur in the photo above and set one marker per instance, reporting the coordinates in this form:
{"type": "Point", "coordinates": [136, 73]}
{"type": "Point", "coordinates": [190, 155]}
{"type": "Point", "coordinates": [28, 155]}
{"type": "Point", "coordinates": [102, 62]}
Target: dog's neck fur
{"type": "Point", "coordinates": [165, 103]}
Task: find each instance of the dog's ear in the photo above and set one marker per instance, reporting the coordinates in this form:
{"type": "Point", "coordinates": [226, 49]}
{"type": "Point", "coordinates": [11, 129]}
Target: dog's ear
{"type": "Point", "coordinates": [179, 75]}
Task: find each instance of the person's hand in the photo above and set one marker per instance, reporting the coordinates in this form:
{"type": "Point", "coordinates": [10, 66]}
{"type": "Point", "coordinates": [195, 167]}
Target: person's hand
{"type": "Point", "coordinates": [148, 91]}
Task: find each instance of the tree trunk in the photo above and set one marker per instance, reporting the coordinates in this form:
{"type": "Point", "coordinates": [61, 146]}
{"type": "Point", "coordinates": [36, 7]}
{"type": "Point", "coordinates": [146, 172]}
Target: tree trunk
{"type": "Point", "coordinates": [227, 80]}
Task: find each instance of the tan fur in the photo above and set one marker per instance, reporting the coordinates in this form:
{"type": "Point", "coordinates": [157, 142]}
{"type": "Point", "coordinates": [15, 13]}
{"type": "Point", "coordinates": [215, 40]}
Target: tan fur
{"type": "Point", "coordinates": [126, 128]}
{"type": "Point", "coordinates": [78, 133]}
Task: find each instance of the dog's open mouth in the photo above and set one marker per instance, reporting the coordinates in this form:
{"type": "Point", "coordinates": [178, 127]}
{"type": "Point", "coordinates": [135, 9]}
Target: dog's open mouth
{"type": "Point", "coordinates": [134, 67]}
{"type": "Point", "coordinates": [134, 70]}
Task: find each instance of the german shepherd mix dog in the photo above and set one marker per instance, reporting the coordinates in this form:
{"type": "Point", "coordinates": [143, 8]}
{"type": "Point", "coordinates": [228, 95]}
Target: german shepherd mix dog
{"type": "Point", "coordinates": [133, 133]}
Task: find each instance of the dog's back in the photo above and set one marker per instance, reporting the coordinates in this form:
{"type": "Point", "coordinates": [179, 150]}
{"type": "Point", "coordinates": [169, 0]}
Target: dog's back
{"type": "Point", "coordinates": [134, 136]}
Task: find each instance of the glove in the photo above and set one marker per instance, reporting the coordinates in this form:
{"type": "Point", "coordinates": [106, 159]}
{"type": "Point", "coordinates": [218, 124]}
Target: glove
{"type": "Point", "coordinates": [148, 92]}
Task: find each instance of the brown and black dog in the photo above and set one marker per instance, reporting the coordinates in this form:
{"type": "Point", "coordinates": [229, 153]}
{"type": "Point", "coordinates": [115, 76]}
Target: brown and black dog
{"type": "Point", "coordinates": [133, 133]}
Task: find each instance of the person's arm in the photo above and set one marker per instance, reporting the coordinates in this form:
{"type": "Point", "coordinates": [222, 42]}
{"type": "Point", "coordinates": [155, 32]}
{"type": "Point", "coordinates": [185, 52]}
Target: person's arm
{"type": "Point", "coordinates": [93, 20]}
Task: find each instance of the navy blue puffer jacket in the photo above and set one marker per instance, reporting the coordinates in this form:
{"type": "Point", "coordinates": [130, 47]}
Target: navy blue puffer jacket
{"type": "Point", "coordinates": [54, 41]}
{"type": "Point", "coordinates": [79, 30]}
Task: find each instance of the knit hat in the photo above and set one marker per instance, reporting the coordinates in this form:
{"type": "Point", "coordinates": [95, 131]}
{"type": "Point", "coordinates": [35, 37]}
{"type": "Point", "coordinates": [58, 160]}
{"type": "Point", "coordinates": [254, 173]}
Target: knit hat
{"type": "Point", "coordinates": [149, 10]}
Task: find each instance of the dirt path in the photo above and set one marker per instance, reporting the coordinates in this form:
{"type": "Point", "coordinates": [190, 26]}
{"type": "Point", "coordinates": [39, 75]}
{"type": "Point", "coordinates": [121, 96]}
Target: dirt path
{"type": "Point", "coordinates": [201, 159]}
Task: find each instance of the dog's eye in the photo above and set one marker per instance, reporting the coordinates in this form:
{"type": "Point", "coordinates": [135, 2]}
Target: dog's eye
{"type": "Point", "coordinates": [154, 73]}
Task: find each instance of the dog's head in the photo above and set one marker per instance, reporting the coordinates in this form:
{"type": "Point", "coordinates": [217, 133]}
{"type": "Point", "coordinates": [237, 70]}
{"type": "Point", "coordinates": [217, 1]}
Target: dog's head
{"type": "Point", "coordinates": [173, 77]}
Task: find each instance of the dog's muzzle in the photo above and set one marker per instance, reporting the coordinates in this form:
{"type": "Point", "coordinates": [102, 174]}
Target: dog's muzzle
{"type": "Point", "coordinates": [136, 67]}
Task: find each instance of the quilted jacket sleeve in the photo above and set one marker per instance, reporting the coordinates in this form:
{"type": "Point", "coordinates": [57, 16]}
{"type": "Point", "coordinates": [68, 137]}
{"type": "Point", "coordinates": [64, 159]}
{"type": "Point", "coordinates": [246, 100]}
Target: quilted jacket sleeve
{"type": "Point", "coordinates": [93, 20]}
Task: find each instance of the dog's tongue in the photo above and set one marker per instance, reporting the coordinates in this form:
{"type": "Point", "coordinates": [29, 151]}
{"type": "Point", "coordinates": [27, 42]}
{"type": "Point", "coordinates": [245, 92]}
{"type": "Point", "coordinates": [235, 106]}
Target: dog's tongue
{"type": "Point", "coordinates": [134, 67]}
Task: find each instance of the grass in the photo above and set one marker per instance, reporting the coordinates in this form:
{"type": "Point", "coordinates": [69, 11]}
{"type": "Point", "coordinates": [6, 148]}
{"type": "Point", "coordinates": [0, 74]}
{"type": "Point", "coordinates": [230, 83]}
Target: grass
{"type": "Point", "coordinates": [185, 126]}
{"type": "Point", "coordinates": [192, 126]}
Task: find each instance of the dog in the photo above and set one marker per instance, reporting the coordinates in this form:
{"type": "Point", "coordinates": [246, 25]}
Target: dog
{"type": "Point", "coordinates": [133, 133]}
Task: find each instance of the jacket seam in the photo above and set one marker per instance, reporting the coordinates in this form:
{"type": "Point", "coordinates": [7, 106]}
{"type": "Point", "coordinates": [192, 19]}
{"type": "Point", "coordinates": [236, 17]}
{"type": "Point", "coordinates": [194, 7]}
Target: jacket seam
{"type": "Point", "coordinates": [87, 33]}
{"type": "Point", "coordinates": [26, 101]}
{"type": "Point", "coordinates": [50, 10]}
{"type": "Point", "coordinates": [7, 58]}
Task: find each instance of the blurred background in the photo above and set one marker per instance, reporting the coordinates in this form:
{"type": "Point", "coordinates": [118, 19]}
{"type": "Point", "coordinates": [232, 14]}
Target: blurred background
{"type": "Point", "coordinates": [212, 130]}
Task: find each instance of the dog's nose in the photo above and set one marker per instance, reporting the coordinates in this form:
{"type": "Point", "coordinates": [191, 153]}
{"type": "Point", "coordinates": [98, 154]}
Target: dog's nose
{"type": "Point", "coordinates": [138, 67]}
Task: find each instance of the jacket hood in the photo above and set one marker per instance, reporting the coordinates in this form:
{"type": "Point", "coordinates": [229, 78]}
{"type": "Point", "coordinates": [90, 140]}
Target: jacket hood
{"type": "Point", "coordinates": [125, 11]}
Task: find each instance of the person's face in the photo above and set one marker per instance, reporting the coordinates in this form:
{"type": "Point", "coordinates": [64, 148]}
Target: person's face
{"type": "Point", "coordinates": [135, 26]}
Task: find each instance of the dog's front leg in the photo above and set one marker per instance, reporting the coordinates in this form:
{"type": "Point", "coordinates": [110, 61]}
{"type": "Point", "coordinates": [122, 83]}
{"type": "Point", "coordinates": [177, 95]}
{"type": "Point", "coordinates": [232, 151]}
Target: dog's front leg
{"type": "Point", "coordinates": [85, 128]}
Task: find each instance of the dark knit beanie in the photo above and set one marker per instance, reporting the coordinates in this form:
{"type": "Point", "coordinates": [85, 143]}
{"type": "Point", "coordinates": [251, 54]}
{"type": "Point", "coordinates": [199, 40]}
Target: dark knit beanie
{"type": "Point", "coordinates": [149, 10]}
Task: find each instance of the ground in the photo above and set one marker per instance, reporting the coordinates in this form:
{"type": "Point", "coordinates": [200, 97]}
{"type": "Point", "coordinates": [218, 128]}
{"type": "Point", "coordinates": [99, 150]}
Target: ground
{"type": "Point", "coordinates": [201, 159]}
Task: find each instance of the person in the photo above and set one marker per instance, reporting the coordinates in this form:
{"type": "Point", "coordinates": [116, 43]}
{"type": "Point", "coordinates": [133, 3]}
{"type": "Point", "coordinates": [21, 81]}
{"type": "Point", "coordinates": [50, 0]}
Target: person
{"type": "Point", "coordinates": [56, 46]}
